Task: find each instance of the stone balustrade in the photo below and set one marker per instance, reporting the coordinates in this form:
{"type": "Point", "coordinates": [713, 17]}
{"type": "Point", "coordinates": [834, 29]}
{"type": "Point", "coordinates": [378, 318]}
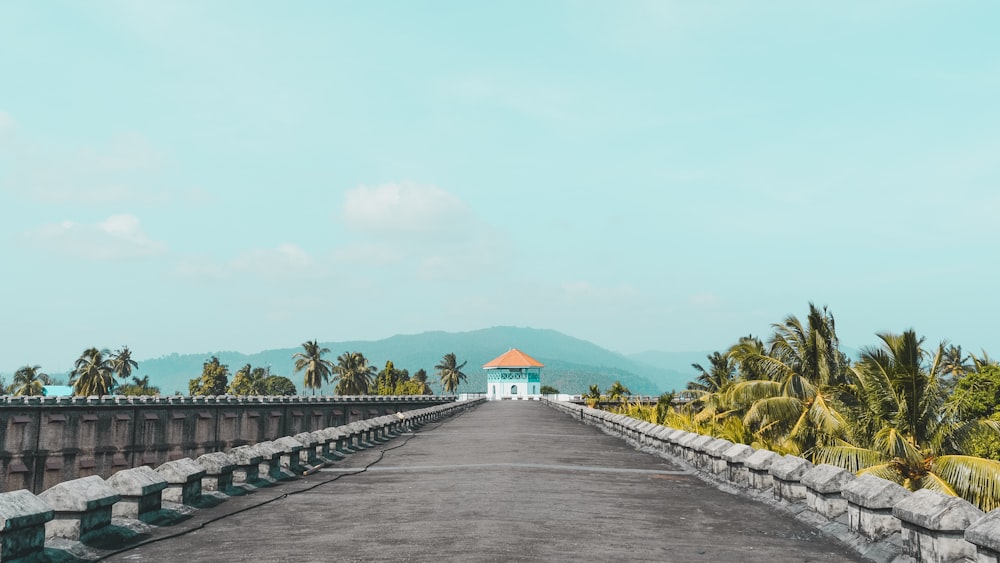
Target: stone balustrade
{"type": "Point", "coordinates": [81, 509]}
{"type": "Point", "coordinates": [47, 440]}
{"type": "Point", "coordinates": [877, 518]}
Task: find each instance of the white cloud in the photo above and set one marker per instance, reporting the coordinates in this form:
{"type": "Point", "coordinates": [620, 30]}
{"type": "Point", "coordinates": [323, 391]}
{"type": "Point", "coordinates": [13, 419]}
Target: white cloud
{"type": "Point", "coordinates": [405, 209]}
{"type": "Point", "coordinates": [281, 263]}
{"type": "Point", "coordinates": [119, 237]}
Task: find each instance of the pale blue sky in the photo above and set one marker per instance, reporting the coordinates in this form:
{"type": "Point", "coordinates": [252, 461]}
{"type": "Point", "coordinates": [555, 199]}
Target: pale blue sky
{"type": "Point", "coordinates": [201, 176]}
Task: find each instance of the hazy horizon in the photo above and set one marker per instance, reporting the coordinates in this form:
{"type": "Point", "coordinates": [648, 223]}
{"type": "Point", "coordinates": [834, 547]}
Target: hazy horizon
{"type": "Point", "coordinates": [184, 176]}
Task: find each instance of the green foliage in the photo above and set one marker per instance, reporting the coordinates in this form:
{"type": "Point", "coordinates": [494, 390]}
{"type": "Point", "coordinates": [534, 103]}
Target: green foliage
{"type": "Point", "coordinates": [28, 381]}
{"type": "Point", "coordinates": [353, 374]}
{"type": "Point", "coordinates": [121, 363]}
{"type": "Point", "coordinates": [392, 381]}
{"type": "Point", "coordinates": [548, 390]}
{"type": "Point", "coordinates": [279, 385]}
{"type": "Point", "coordinates": [317, 370]}
{"type": "Point", "coordinates": [92, 374]}
{"type": "Point", "coordinates": [213, 381]}
{"type": "Point", "coordinates": [138, 388]}
{"type": "Point", "coordinates": [450, 372]}
{"type": "Point", "coordinates": [618, 392]}
{"type": "Point", "coordinates": [249, 381]}
{"type": "Point", "coordinates": [977, 394]}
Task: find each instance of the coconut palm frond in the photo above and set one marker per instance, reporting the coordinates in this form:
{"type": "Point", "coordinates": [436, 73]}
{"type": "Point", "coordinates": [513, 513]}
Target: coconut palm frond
{"type": "Point", "coordinates": [934, 482]}
{"type": "Point", "coordinates": [851, 458]}
{"type": "Point", "coordinates": [895, 445]}
{"type": "Point", "coordinates": [825, 418]}
{"type": "Point", "coordinates": [975, 479]}
{"type": "Point", "coordinates": [748, 392]}
{"type": "Point", "coordinates": [784, 411]}
{"type": "Point", "coordinates": [883, 471]}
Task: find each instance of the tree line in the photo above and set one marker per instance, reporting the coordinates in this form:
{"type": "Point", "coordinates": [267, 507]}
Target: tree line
{"type": "Point", "coordinates": [99, 372]}
{"type": "Point", "coordinates": [922, 416]}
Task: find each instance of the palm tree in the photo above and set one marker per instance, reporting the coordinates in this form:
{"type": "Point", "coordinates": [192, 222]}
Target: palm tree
{"type": "Point", "coordinates": [138, 387]}
{"type": "Point", "coordinates": [420, 378]}
{"type": "Point", "coordinates": [92, 374]}
{"type": "Point", "coordinates": [450, 372]}
{"type": "Point", "coordinates": [719, 375]}
{"type": "Point", "coordinates": [317, 370]}
{"type": "Point", "coordinates": [29, 381]}
{"type": "Point", "coordinates": [618, 392]}
{"type": "Point", "coordinates": [353, 374]}
{"type": "Point", "coordinates": [248, 381]}
{"type": "Point", "coordinates": [121, 362]}
{"type": "Point", "coordinates": [792, 408]}
{"type": "Point", "coordinates": [592, 396]}
{"type": "Point", "coordinates": [902, 429]}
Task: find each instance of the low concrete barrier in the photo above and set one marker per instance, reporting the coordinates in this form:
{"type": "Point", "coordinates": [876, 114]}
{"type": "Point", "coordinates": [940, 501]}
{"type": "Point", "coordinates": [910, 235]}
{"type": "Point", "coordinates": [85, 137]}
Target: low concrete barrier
{"type": "Point", "coordinates": [81, 510]}
{"type": "Point", "coordinates": [879, 519]}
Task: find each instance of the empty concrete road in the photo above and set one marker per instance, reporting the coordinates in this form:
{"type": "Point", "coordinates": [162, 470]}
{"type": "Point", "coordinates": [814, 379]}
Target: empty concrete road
{"type": "Point", "coordinates": [511, 480]}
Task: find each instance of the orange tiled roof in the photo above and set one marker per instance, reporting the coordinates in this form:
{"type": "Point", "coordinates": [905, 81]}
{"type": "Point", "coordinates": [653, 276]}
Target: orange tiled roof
{"type": "Point", "coordinates": [513, 358]}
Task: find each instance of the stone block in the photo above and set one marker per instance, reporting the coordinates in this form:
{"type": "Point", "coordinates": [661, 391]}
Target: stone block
{"type": "Point", "coordinates": [933, 526]}
{"type": "Point", "coordinates": [141, 490]}
{"type": "Point", "coordinates": [247, 470]}
{"type": "Point", "coordinates": [22, 525]}
{"type": "Point", "coordinates": [869, 506]}
{"type": "Point", "coordinates": [291, 458]}
{"type": "Point", "coordinates": [714, 452]}
{"type": "Point", "coordinates": [985, 535]}
{"type": "Point", "coordinates": [823, 484]}
{"type": "Point", "coordinates": [183, 478]}
{"type": "Point", "coordinates": [82, 508]}
{"type": "Point", "coordinates": [758, 467]}
{"type": "Point", "coordinates": [219, 469]}
{"type": "Point", "coordinates": [270, 464]}
{"type": "Point", "coordinates": [693, 448]}
{"type": "Point", "coordinates": [787, 472]}
{"type": "Point", "coordinates": [735, 457]}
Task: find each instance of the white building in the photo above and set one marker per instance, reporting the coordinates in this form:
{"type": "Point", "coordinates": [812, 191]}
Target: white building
{"type": "Point", "coordinates": [513, 375]}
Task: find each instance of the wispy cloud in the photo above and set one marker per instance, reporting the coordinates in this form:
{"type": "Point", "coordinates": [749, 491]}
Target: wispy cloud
{"type": "Point", "coordinates": [119, 237]}
{"type": "Point", "coordinates": [281, 263]}
{"type": "Point", "coordinates": [406, 209]}
{"type": "Point", "coordinates": [126, 169]}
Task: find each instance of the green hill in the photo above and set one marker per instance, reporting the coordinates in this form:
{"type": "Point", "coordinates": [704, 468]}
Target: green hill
{"type": "Point", "coordinates": [571, 364]}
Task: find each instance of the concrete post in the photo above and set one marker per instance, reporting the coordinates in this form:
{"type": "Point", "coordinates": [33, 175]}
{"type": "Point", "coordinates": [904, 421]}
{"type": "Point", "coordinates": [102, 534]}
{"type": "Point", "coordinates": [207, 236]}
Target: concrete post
{"type": "Point", "coordinates": [869, 506]}
{"type": "Point", "coordinates": [291, 458]}
{"type": "Point", "coordinates": [715, 451]}
{"type": "Point", "coordinates": [183, 478]}
{"type": "Point", "coordinates": [247, 472]}
{"type": "Point", "coordinates": [140, 489]}
{"type": "Point", "coordinates": [219, 468]}
{"type": "Point", "coordinates": [787, 472]}
{"type": "Point", "coordinates": [934, 526]}
{"type": "Point", "coordinates": [735, 457]}
{"type": "Point", "coordinates": [759, 469]}
{"type": "Point", "coordinates": [22, 525]}
{"type": "Point", "coordinates": [824, 484]}
{"type": "Point", "coordinates": [985, 535]}
{"type": "Point", "coordinates": [82, 508]}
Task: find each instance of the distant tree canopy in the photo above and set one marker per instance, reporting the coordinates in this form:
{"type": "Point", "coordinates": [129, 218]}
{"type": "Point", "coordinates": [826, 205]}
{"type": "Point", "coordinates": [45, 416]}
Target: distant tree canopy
{"type": "Point", "coordinates": [279, 385]}
{"type": "Point", "coordinates": [138, 387]}
{"type": "Point", "coordinates": [213, 381]}
{"type": "Point", "coordinates": [548, 390]}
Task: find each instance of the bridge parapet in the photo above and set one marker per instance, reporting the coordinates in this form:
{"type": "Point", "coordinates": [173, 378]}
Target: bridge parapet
{"type": "Point", "coordinates": [47, 440]}
{"type": "Point", "coordinates": [879, 519]}
{"type": "Point", "coordinates": [79, 511]}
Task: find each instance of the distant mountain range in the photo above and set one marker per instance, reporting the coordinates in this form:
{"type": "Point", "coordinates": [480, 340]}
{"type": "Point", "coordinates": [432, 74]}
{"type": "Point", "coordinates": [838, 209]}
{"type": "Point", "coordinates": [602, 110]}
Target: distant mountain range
{"type": "Point", "coordinates": [571, 364]}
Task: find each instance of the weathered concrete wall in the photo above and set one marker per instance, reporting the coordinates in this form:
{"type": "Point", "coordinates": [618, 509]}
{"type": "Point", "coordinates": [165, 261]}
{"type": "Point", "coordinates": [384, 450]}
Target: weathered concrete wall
{"type": "Point", "coordinates": [47, 440]}
{"type": "Point", "coordinates": [78, 513]}
{"type": "Point", "coordinates": [878, 519]}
